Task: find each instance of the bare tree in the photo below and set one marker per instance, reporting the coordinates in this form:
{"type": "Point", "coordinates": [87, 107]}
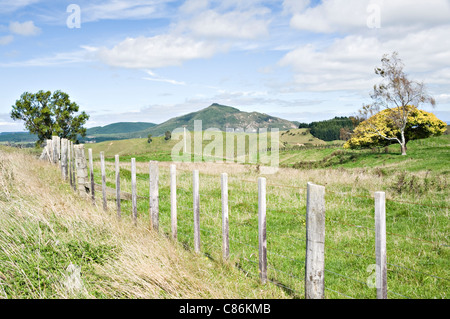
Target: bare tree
{"type": "Point", "coordinates": [396, 93]}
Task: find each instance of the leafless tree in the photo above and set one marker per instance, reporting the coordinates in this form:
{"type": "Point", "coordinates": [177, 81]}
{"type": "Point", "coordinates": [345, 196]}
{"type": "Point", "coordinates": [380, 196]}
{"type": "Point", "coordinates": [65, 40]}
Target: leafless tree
{"type": "Point", "coordinates": [397, 94]}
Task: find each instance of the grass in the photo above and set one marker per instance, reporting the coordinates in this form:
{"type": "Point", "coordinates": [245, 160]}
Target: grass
{"type": "Point", "coordinates": [55, 244]}
{"type": "Point", "coordinates": [417, 246]}
{"type": "Point", "coordinates": [299, 137]}
{"type": "Point", "coordinates": [418, 202]}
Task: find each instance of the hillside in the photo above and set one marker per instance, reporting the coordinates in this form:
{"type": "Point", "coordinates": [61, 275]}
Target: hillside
{"type": "Point", "coordinates": [220, 117]}
{"type": "Point", "coordinates": [299, 137]}
{"type": "Point", "coordinates": [17, 137]}
{"type": "Point", "coordinates": [47, 232]}
{"type": "Point", "coordinates": [120, 127]}
{"type": "Point", "coordinates": [114, 131]}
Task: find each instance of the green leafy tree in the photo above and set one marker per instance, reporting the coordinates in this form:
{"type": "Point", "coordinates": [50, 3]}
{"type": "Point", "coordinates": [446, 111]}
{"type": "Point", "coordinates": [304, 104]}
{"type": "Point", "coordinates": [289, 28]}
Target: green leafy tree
{"type": "Point", "coordinates": [46, 114]}
{"type": "Point", "coordinates": [168, 135]}
{"type": "Point", "coordinates": [149, 138]}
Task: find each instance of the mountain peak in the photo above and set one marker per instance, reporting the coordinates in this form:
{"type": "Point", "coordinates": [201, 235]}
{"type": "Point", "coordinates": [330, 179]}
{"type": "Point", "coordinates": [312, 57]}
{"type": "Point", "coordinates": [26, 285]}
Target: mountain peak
{"type": "Point", "coordinates": [223, 107]}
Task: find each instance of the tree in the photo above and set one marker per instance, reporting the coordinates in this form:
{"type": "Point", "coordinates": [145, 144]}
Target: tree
{"type": "Point", "coordinates": [396, 93]}
{"type": "Point", "coordinates": [344, 134]}
{"type": "Point", "coordinates": [168, 135]}
{"type": "Point", "coordinates": [149, 138]}
{"type": "Point", "coordinates": [420, 124]}
{"type": "Point", "coordinates": [46, 114]}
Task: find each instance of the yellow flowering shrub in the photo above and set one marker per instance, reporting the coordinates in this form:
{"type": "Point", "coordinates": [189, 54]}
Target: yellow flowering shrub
{"type": "Point", "coordinates": [420, 124]}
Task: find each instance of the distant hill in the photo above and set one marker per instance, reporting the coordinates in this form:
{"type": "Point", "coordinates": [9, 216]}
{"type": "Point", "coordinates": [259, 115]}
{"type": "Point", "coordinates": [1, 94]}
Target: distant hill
{"type": "Point", "coordinates": [115, 131]}
{"type": "Point", "coordinates": [17, 137]}
{"type": "Point", "coordinates": [220, 117]}
{"type": "Point", "coordinates": [120, 127]}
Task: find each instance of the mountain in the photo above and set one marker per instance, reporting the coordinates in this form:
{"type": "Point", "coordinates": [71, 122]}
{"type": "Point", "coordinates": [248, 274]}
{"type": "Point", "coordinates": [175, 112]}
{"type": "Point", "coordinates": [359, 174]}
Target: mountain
{"type": "Point", "coordinates": [220, 117]}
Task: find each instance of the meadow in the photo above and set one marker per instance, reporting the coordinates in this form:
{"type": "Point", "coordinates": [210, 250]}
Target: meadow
{"type": "Point", "coordinates": [46, 228]}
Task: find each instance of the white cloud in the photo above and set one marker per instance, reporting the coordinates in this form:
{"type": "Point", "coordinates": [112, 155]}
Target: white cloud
{"type": "Point", "coordinates": [294, 6]}
{"type": "Point", "coordinates": [348, 63]}
{"type": "Point", "coordinates": [234, 24]}
{"type": "Point", "coordinates": [155, 52]}
{"type": "Point", "coordinates": [6, 126]}
{"type": "Point", "coordinates": [332, 16]}
{"type": "Point", "coordinates": [192, 6]}
{"type": "Point", "coordinates": [26, 28]}
{"type": "Point", "coordinates": [174, 82]}
{"type": "Point", "coordinates": [196, 32]}
{"type": "Point", "coordinates": [62, 58]}
{"type": "Point", "coordinates": [345, 65]}
{"type": "Point", "coordinates": [154, 77]}
{"type": "Point", "coordinates": [443, 98]}
{"type": "Point", "coordinates": [118, 9]}
{"type": "Point", "coordinates": [418, 30]}
{"type": "Point", "coordinates": [6, 39]}
{"type": "Point", "coordinates": [7, 6]}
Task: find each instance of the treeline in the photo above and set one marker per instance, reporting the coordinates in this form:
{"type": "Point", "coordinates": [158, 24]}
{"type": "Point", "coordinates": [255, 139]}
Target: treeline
{"type": "Point", "coordinates": [338, 128]}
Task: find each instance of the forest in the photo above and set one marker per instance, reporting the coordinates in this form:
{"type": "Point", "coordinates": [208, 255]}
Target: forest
{"type": "Point", "coordinates": [338, 128]}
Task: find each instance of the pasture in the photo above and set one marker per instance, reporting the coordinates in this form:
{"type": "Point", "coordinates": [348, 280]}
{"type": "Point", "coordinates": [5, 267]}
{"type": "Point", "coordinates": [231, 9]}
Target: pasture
{"type": "Point", "coordinates": [416, 187]}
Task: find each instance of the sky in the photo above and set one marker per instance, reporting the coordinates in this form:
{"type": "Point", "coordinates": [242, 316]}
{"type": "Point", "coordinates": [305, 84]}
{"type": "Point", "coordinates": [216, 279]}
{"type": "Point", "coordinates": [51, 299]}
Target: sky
{"type": "Point", "coordinates": [151, 60]}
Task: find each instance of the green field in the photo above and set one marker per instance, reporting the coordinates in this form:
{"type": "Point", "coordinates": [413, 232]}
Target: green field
{"type": "Point", "coordinates": [418, 203]}
{"type": "Point", "coordinates": [45, 226]}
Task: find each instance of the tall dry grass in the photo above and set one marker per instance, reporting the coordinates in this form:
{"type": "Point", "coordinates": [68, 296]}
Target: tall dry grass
{"type": "Point", "coordinates": [39, 213]}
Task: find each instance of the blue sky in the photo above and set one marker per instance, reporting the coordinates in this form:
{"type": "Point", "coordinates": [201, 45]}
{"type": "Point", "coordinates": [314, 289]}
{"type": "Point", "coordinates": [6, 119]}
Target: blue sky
{"type": "Point", "coordinates": [151, 60]}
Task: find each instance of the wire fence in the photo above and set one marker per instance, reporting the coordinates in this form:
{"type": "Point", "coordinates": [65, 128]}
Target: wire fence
{"type": "Point", "coordinates": [286, 236]}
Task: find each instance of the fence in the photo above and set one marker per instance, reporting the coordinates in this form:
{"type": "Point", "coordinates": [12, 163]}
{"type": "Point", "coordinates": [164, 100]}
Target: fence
{"type": "Point", "coordinates": [313, 277]}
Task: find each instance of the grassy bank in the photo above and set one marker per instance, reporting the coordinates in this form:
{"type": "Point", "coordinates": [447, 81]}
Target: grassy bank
{"type": "Point", "coordinates": [54, 244]}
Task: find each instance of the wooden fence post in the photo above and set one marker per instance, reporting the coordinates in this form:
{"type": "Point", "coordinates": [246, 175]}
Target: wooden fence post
{"type": "Point", "coordinates": [262, 237]}
{"type": "Point", "coordinates": [102, 167]}
{"type": "Point", "coordinates": [196, 201]}
{"type": "Point", "coordinates": [69, 156]}
{"type": "Point", "coordinates": [117, 185]}
{"type": "Point", "coordinates": [64, 167]}
{"type": "Point", "coordinates": [58, 150]}
{"type": "Point", "coordinates": [315, 242]}
{"type": "Point", "coordinates": [133, 190]}
{"type": "Point", "coordinates": [91, 169]}
{"type": "Point", "coordinates": [73, 169]}
{"type": "Point", "coordinates": [82, 174]}
{"type": "Point", "coordinates": [173, 200]}
{"type": "Point", "coordinates": [225, 226]}
{"type": "Point", "coordinates": [49, 150]}
{"type": "Point", "coordinates": [380, 244]}
{"type": "Point", "coordinates": [55, 149]}
{"type": "Point", "coordinates": [154, 194]}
